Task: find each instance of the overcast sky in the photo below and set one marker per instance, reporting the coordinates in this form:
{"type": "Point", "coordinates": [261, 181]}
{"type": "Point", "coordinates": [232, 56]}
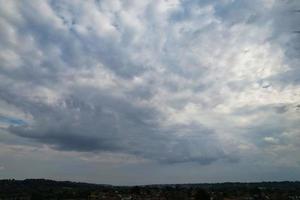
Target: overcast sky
{"type": "Point", "coordinates": [140, 92]}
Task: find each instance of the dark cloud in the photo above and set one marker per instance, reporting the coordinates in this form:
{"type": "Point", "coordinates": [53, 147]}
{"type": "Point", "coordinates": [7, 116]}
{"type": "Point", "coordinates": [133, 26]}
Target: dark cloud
{"type": "Point", "coordinates": [100, 122]}
{"type": "Point", "coordinates": [285, 24]}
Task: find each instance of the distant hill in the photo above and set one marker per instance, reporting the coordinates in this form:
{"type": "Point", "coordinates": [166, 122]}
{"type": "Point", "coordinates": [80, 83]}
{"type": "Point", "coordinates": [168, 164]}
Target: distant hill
{"type": "Point", "coordinates": [36, 183]}
{"type": "Point", "coordinates": [272, 185]}
{"type": "Point", "coordinates": [52, 183]}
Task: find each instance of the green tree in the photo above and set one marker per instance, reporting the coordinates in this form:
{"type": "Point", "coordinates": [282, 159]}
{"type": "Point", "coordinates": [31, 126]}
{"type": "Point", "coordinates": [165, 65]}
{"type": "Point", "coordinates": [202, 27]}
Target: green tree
{"type": "Point", "coordinates": [201, 195]}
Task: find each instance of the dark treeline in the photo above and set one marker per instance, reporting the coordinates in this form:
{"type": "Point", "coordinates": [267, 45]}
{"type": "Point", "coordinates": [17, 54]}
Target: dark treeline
{"type": "Point", "coordinates": [37, 189]}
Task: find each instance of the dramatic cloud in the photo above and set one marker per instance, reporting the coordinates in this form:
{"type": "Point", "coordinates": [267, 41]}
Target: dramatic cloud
{"type": "Point", "coordinates": [175, 84]}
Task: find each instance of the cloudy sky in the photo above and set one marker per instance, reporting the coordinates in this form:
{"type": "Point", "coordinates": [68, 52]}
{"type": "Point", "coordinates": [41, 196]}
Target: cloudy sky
{"type": "Point", "coordinates": [140, 92]}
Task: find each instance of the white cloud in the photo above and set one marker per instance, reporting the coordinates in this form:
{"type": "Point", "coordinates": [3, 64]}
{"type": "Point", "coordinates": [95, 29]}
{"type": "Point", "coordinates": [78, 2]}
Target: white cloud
{"type": "Point", "coordinates": [271, 140]}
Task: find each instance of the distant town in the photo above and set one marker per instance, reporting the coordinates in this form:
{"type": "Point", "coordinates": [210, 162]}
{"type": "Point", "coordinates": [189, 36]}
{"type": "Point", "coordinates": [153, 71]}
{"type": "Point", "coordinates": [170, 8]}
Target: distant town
{"type": "Point", "coordinates": [39, 189]}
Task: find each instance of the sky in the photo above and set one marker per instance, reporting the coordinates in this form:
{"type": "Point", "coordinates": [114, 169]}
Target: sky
{"type": "Point", "coordinates": [132, 92]}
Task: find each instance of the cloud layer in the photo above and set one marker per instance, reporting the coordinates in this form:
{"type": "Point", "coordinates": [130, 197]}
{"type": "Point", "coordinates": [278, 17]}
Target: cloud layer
{"type": "Point", "coordinates": [167, 82]}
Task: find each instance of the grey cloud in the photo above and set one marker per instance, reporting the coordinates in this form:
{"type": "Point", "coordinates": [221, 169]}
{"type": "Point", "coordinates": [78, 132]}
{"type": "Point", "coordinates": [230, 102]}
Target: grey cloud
{"type": "Point", "coordinates": [100, 122]}
{"type": "Point", "coordinates": [271, 125]}
{"type": "Point", "coordinates": [271, 108]}
{"type": "Point", "coordinates": [285, 25]}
